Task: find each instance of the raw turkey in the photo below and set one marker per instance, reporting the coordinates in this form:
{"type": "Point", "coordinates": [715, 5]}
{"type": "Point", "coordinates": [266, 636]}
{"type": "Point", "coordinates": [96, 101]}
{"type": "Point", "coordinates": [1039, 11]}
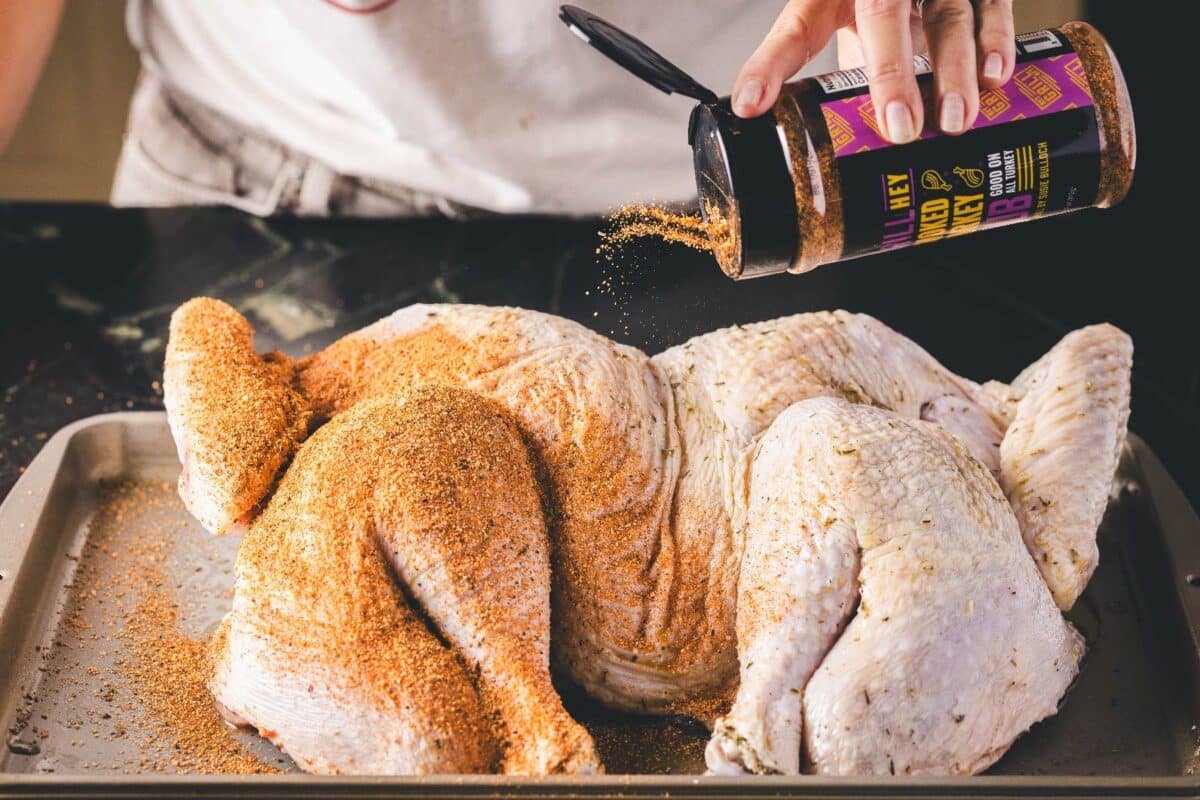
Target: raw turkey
{"type": "Point", "coordinates": [804, 532]}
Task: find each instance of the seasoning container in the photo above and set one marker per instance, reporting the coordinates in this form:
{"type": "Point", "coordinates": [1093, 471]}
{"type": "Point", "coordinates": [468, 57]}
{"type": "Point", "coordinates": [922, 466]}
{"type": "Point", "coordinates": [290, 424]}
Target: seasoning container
{"type": "Point", "coordinates": [813, 180]}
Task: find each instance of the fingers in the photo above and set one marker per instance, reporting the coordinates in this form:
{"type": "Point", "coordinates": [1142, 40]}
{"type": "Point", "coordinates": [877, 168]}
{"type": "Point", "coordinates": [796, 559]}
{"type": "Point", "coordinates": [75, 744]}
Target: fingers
{"type": "Point", "coordinates": [849, 45]}
{"type": "Point", "coordinates": [849, 48]}
{"type": "Point", "coordinates": [950, 31]}
{"type": "Point", "coordinates": [799, 33]}
{"type": "Point", "coordinates": [969, 47]}
{"type": "Point", "coordinates": [888, 59]}
{"type": "Point", "coordinates": [997, 54]}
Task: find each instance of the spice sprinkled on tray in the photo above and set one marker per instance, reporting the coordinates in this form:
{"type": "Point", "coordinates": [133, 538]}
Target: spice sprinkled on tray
{"type": "Point", "coordinates": [124, 683]}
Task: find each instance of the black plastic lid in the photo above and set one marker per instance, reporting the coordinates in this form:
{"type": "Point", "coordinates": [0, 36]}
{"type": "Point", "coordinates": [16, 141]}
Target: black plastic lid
{"type": "Point", "coordinates": [742, 170]}
{"type": "Point", "coordinates": [633, 54]}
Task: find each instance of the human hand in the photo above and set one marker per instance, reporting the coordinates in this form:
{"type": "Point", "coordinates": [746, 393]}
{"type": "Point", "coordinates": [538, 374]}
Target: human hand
{"type": "Point", "coordinates": [970, 45]}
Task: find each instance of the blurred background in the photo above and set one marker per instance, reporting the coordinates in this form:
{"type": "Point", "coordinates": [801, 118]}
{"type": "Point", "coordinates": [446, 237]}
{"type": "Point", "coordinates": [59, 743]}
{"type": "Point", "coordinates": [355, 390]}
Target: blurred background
{"type": "Point", "coordinates": [67, 145]}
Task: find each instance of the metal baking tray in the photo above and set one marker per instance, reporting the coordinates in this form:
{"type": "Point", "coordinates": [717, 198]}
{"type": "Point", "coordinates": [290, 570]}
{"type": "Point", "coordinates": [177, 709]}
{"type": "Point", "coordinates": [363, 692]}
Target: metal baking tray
{"type": "Point", "coordinates": [1127, 728]}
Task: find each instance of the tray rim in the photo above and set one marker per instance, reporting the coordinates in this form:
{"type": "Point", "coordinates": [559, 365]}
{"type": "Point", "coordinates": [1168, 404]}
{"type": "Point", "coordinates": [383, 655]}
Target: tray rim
{"type": "Point", "coordinates": [27, 498]}
{"type": "Point", "coordinates": [24, 504]}
{"type": "Point", "coordinates": [679, 786]}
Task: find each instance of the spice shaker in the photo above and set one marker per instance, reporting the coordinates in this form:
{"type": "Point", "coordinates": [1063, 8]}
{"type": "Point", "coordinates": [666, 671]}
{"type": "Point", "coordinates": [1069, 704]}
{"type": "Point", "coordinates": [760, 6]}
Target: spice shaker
{"type": "Point", "coordinates": [813, 180]}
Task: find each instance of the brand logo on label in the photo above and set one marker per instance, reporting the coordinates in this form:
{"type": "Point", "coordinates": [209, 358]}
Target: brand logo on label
{"type": "Point", "coordinates": [1074, 70]}
{"type": "Point", "coordinates": [867, 112]}
{"type": "Point", "coordinates": [1037, 86]}
{"type": "Point", "coordinates": [993, 103]}
{"type": "Point", "coordinates": [840, 131]}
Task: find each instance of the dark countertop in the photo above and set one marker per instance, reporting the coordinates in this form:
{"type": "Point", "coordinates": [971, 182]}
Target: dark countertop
{"type": "Point", "coordinates": [89, 291]}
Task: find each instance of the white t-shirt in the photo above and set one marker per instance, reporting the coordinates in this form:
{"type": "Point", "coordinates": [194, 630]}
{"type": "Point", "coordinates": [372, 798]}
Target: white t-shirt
{"type": "Point", "coordinates": [491, 103]}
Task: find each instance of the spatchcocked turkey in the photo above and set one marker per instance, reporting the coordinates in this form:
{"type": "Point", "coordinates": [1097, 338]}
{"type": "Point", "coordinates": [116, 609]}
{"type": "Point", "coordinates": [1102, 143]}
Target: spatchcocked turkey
{"type": "Point", "coordinates": [804, 532]}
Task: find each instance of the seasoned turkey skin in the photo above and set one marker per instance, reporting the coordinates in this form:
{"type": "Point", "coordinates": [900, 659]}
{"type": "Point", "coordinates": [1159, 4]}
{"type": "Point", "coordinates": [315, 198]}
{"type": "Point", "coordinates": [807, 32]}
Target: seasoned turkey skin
{"type": "Point", "coordinates": [699, 556]}
{"type": "Point", "coordinates": [956, 645]}
{"type": "Point", "coordinates": [1068, 412]}
{"type": "Point", "coordinates": [234, 415]}
{"type": "Point", "coordinates": [408, 503]}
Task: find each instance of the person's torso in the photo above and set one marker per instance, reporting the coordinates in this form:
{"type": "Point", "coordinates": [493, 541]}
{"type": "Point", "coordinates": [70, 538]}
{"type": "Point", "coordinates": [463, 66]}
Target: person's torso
{"type": "Point", "coordinates": [492, 104]}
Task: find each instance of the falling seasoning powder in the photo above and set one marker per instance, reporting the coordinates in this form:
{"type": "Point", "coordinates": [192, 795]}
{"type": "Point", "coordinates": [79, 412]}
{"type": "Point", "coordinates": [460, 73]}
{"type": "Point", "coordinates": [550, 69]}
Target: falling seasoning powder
{"type": "Point", "coordinates": [710, 232]}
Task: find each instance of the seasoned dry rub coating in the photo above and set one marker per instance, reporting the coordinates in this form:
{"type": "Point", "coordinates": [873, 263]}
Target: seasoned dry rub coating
{"type": "Point", "coordinates": [429, 493]}
{"type": "Point", "coordinates": [680, 502]}
{"type": "Point", "coordinates": [235, 417]}
{"type": "Point", "coordinates": [600, 419]}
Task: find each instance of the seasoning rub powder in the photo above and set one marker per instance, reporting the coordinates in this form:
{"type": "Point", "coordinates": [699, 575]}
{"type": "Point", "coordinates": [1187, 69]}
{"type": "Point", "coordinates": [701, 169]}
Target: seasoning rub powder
{"type": "Point", "coordinates": [123, 684]}
{"type": "Point", "coordinates": [711, 232]}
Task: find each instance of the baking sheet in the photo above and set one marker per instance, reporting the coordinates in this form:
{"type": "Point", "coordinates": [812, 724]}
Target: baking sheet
{"type": "Point", "coordinates": [94, 530]}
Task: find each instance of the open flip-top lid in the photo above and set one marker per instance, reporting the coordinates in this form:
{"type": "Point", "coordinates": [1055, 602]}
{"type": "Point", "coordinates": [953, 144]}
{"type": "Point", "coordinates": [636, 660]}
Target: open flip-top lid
{"type": "Point", "coordinates": [742, 171]}
{"type": "Point", "coordinates": [633, 54]}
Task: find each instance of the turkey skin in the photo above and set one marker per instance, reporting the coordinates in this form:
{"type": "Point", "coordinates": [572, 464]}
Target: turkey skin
{"type": "Point", "coordinates": [804, 532]}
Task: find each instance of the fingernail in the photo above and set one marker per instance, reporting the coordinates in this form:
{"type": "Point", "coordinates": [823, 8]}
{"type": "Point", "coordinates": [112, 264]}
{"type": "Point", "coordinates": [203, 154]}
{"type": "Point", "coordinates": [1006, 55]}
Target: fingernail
{"type": "Point", "coordinates": [749, 95]}
{"type": "Point", "coordinates": [899, 122]}
{"type": "Point", "coordinates": [954, 113]}
{"type": "Point", "coordinates": [993, 67]}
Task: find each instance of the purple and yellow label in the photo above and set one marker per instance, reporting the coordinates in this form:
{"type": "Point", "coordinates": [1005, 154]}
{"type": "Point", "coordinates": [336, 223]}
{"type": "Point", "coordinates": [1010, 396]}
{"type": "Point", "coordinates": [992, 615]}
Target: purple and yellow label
{"type": "Point", "coordinates": [1034, 150]}
{"type": "Point", "coordinates": [1039, 87]}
